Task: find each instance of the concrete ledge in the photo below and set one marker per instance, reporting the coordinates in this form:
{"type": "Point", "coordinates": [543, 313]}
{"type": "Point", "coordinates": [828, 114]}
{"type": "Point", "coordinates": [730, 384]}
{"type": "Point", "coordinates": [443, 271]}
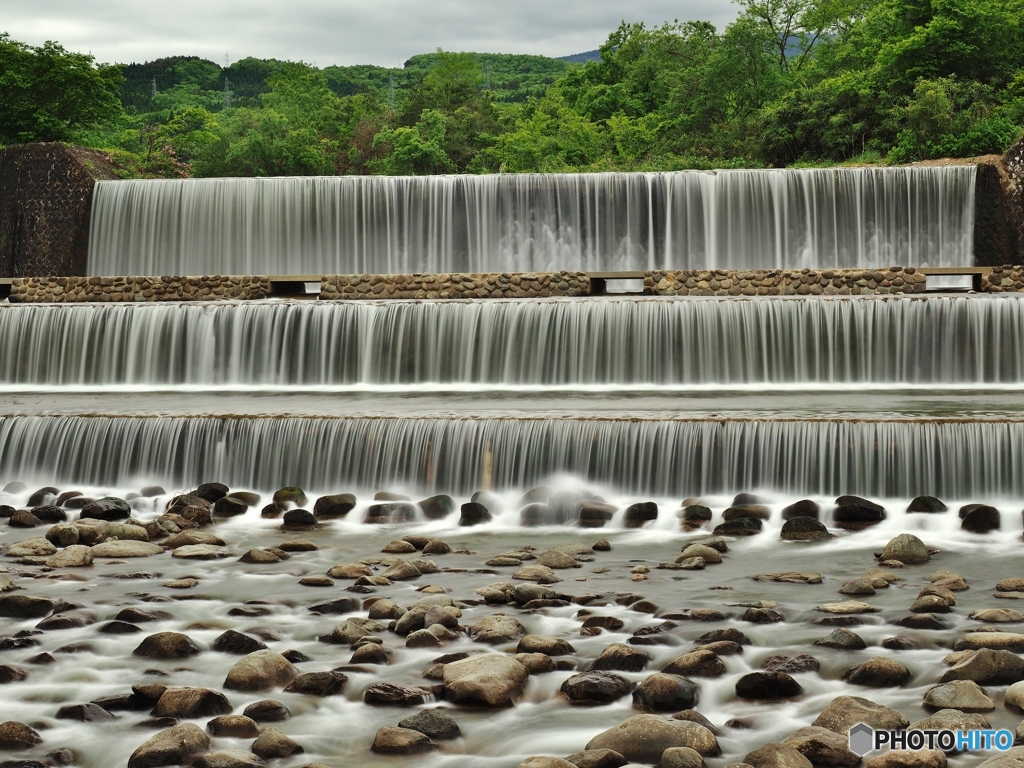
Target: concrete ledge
{"type": "Point", "coordinates": [132, 289]}
{"type": "Point", "coordinates": [503, 285]}
{"type": "Point", "coordinates": [785, 282]}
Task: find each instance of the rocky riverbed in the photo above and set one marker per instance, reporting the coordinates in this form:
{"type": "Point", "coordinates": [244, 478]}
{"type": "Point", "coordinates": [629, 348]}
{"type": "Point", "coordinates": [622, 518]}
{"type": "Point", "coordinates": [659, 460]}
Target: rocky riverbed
{"type": "Point", "coordinates": [222, 628]}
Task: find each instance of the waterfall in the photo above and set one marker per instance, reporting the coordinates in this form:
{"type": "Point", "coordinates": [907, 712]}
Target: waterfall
{"type": "Point", "coordinates": [668, 458]}
{"type": "Point", "coordinates": [847, 217]}
{"type": "Point", "coordinates": [931, 340]}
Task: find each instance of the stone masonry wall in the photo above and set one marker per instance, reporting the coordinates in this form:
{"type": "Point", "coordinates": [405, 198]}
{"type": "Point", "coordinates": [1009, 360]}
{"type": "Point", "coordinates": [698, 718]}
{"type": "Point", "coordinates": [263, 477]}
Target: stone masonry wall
{"type": "Point", "coordinates": [504, 285]}
{"type": "Point", "coordinates": [1005, 279]}
{"type": "Point", "coordinates": [131, 289]}
{"type": "Point", "coordinates": [785, 282]}
{"type": "Point", "coordinates": [45, 205]}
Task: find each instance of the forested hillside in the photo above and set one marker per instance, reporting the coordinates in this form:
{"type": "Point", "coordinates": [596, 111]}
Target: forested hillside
{"type": "Point", "coordinates": [789, 82]}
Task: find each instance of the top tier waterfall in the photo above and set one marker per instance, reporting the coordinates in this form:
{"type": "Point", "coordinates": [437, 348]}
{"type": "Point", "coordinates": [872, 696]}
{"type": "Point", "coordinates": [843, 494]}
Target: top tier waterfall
{"type": "Point", "coordinates": [849, 217]}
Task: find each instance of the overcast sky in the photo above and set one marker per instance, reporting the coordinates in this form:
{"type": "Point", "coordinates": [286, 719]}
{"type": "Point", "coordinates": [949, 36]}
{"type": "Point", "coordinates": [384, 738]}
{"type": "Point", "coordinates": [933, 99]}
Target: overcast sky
{"type": "Point", "coordinates": [383, 32]}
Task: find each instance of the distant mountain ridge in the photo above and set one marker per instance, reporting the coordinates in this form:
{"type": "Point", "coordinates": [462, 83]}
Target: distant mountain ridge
{"type": "Point", "coordinates": [582, 58]}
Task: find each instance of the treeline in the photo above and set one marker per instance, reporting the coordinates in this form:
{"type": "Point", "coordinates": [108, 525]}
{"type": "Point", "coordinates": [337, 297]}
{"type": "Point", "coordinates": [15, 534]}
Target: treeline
{"type": "Point", "coordinates": [789, 82]}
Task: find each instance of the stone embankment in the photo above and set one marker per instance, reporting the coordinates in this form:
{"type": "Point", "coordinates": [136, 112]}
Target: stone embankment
{"type": "Point", "coordinates": [785, 282]}
{"type": "Point", "coordinates": [503, 285]}
{"type": "Point", "coordinates": [1008, 279]}
{"type": "Point", "coordinates": [132, 289]}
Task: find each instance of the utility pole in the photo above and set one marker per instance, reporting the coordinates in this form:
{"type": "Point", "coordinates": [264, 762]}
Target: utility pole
{"type": "Point", "coordinates": [153, 85]}
{"type": "Point", "coordinates": [487, 75]}
{"type": "Point", "coordinates": [391, 90]}
{"type": "Point", "coordinates": [227, 83]}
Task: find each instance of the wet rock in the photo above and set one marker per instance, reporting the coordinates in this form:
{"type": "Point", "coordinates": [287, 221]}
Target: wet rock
{"type": "Point", "coordinates": [964, 695]}
{"type": "Point", "coordinates": [229, 758]}
{"type": "Point", "coordinates": [921, 621]}
{"type": "Point", "coordinates": [391, 695]}
{"type": "Point", "coordinates": [1012, 758]}
{"type": "Point", "coordinates": [119, 549]}
{"type": "Point", "coordinates": [401, 570]}
{"type": "Point", "coordinates": [639, 514]}
{"type": "Point", "coordinates": [237, 643]}
{"type": "Point", "coordinates": [662, 692]}
{"type": "Point", "coordinates": [9, 674]}
{"type": "Point", "coordinates": [843, 712]}
{"type": "Point", "coordinates": [979, 518]}
{"type": "Point", "coordinates": [823, 747]}
{"type": "Point", "coordinates": [1006, 641]}
{"type": "Point", "coordinates": [267, 711]}
{"type": "Point", "coordinates": [554, 558]}
{"type": "Point", "coordinates": [22, 518]}
{"type": "Point", "coordinates": [191, 538]}
{"type": "Point", "coordinates": [432, 723]}
{"type": "Point", "coordinates": [474, 514]}
{"type": "Point", "coordinates": [549, 646]}
{"type": "Point", "coordinates": [927, 505]}
{"type": "Point", "coordinates": [791, 663]}
{"type": "Point", "coordinates": [63, 535]}
{"type": "Point", "coordinates": [437, 507]}
{"type": "Point", "coordinates": [401, 741]}
{"type": "Point", "coordinates": [290, 495]}
{"type": "Point", "coordinates": [318, 683]}
{"type": "Point", "coordinates": [987, 667]}
{"type": "Point", "coordinates": [997, 615]}
{"type": "Point", "coordinates": [906, 548]}
{"type": "Point", "coordinates": [273, 742]}
{"type": "Point", "coordinates": [731, 634]}
{"type": "Point", "coordinates": [768, 685]}
{"type": "Point", "coordinates": [710, 555]}
{"type": "Point", "coordinates": [167, 645]}
{"type": "Point", "coordinates": [545, 762]}
{"type": "Point", "coordinates": [337, 606]}
{"type": "Point", "coordinates": [699, 663]}
{"type": "Point", "coordinates": [597, 758]}
{"type": "Point", "coordinates": [854, 513]}
{"type": "Point", "coordinates": [695, 516]}
{"type": "Point", "coordinates": [436, 547]}
{"type": "Point", "coordinates": [644, 738]}
{"type": "Point", "coordinates": [230, 506]}
{"type": "Point", "coordinates": [858, 586]}
{"type": "Point", "coordinates": [909, 758]}
{"type": "Point", "coordinates": [844, 639]}
{"type": "Point", "coordinates": [595, 688]}
{"type": "Point", "coordinates": [15, 735]}
{"type": "Point", "coordinates": [878, 672]}
{"type": "Point", "coordinates": [24, 606]}
{"type": "Point", "coordinates": [595, 514]}
{"type": "Point", "coordinates": [538, 573]}
{"type": "Point", "coordinates": [761, 616]}
{"type": "Point", "coordinates": [209, 492]}
{"type": "Point", "coordinates": [191, 703]}
{"type": "Point", "coordinates": [37, 546]}
{"type": "Point", "coordinates": [1014, 697]}
{"type": "Point", "coordinates": [233, 726]}
{"type": "Point", "coordinates": [776, 756]}
{"type": "Point", "coordinates": [847, 607]}
{"type": "Point", "coordinates": [398, 548]}
{"type": "Point", "coordinates": [85, 713]}
{"type": "Point", "coordinates": [619, 656]}
{"type": "Point", "coordinates": [489, 679]}
{"type": "Point", "coordinates": [740, 511]}
{"type": "Point", "coordinates": [299, 520]}
{"type": "Point", "coordinates": [108, 508]}
{"type": "Point", "coordinates": [371, 653]}
{"type": "Point", "coordinates": [802, 508]}
{"type": "Point", "coordinates": [259, 671]}
{"type": "Point", "coordinates": [681, 757]}
{"type": "Point", "coordinates": [201, 552]}
{"type": "Point", "coordinates": [804, 529]}
{"type": "Point", "coordinates": [173, 746]}
{"type": "Point", "coordinates": [74, 556]}
{"type": "Point", "coordinates": [744, 526]}
{"type": "Point", "coordinates": [349, 571]}
{"type": "Point", "coordinates": [790, 577]}
{"type": "Point", "coordinates": [495, 630]}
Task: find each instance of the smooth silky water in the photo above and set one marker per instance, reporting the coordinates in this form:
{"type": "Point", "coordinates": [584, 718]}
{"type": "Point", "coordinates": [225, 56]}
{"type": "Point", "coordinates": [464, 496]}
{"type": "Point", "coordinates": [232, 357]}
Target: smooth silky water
{"type": "Point", "coordinates": [628, 399]}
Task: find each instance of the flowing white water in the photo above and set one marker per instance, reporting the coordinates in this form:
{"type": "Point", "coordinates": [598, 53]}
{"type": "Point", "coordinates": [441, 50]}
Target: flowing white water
{"type": "Point", "coordinates": [663, 342]}
{"type": "Point", "coordinates": [848, 217]}
{"type": "Point", "coordinates": [672, 458]}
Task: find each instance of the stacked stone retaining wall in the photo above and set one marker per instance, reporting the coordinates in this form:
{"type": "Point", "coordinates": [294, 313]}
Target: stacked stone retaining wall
{"type": "Point", "coordinates": [132, 289]}
{"type": "Point", "coordinates": [504, 285]}
{"type": "Point", "coordinates": [785, 282]}
{"type": "Point", "coordinates": [1005, 279]}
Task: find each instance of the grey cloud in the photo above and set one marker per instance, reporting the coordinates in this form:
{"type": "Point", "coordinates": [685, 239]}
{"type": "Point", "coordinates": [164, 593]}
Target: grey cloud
{"type": "Point", "coordinates": [327, 32]}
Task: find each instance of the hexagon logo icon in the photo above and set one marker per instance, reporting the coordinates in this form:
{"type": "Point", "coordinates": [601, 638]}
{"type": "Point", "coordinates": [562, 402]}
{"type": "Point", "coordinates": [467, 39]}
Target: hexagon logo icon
{"type": "Point", "coordinates": [862, 739]}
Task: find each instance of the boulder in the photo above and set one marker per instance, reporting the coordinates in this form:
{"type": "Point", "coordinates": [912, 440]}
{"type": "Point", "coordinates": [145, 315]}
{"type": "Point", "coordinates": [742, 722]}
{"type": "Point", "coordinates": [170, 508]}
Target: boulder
{"type": "Point", "coordinates": [964, 695]}
{"type": "Point", "coordinates": [909, 758]}
{"type": "Point", "coordinates": [596, 758]}
{"type": "Point", "coordinates": [543, 761]}
{"type": "Point", "coordinates": [802, 508]}
{"type": "Point", "coordinates": [495, 630]}
{"type": "Point", "coordinates": [662, 692]}
{"type": "Point", "coordinates": [538, 573]}
{"type": "Point", "coordinates": [639, 514]}
{"type": "Point", "coordinates": [474, 514]}
{"type": "Point", "coordinates": [854, 513]}
{"type": "Point", "coordinates": [710, 555]}
{"type": "Point", "coordinates": [273, 742]}
{"type": "Point", "coordinates": [233, 726]}
{"type": "Point", "coordinates": [433, 723]}
{"type": "Point", "coordinates": [75, 556]}
{"type": "Point", "coordinates": [1005, 641]}
{"type": "Point", "coordinates": [437, 507]}
{"type": "Point", "coordinates": [843, 712]}
{"type": "Point", "coordinates": [644, 738]}
{"type": "Point", "coordinates": [229, 758]}
{"type": "Point", "coordinates": [979, 518]}
{"type": "Point", "coordinates": [259, 671]}
{"type": "Point", "coordinates": [173, 746]}
{"type": "Point", "coordinates": [37, 546]}
{"type": "Point", "coordinates": [744, 526]}
{"type": "Point", "coordinates": [878, 672]}
{"type": "Point", "coordinates": [768, 685]}
{"type": "Point", "coordinates": [391, 695]}
{"type": "Point", "coordinates": [120, 549]}
{"type": "Point", "coordinates": [167, 645]}
{"type": "Point", "coordinates": [108, 508]}
{"type": "Point", "coordinates": [824, 748]}
{"type": "Point", "coordinates": [987, 667]}
{"type": "Point", "coordinates": [318, 683]}
{"type": "Point", "coordinates": [488, 679]}
{"type": "Point", "coordinates": [15, 735]}
{"type": "Point", "coordinates": [681, 757]}
{"type": "Point", "coordinates": [790, 663]}
{"type": "Point", "coordinates": [594, 688]}
{"type": "Point", "coordinates": [207, 491]}
{"type": "Point", "coordinates": [699, 663]}
{"type": "Point", "coordinates": [906, 548]}
{"type": "Point", "coordinates": [230, 506]}
{"type": "Point", "coordinates": [401, 741]}
{"type": "Point", "coordinates": [191, 703]}
{"type": "Point", "coordinates": [619, 656]}
{"type": "Point", "coordinates": [927, 505]}
{"type": "Point", "coordinates": [549, 646]}
{"type": "Point", "coordinates": [775, 755]}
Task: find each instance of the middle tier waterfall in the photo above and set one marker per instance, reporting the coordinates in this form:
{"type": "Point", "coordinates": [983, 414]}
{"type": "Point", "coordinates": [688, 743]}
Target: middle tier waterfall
{"type": "Point", "coordinates": [600, 341]}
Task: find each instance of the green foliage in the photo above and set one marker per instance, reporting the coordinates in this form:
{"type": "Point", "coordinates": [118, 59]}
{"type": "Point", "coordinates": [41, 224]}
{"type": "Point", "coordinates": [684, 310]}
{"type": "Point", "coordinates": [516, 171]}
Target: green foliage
{"type": "Point", "coordinates": [47, 93]}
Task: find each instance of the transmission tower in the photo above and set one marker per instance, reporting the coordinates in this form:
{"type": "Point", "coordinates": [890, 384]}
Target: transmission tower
{"type": "Point", "coordinates": [153, 85]}
{"type": "Point", "coordinates": [487, 75]}
{"type": "Point", "coordinates": [391, 90]}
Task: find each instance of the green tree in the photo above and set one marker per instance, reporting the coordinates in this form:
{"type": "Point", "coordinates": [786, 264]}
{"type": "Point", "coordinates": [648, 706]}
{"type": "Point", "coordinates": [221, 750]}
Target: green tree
{"type": "Point", "coordinates": [48, 93]}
